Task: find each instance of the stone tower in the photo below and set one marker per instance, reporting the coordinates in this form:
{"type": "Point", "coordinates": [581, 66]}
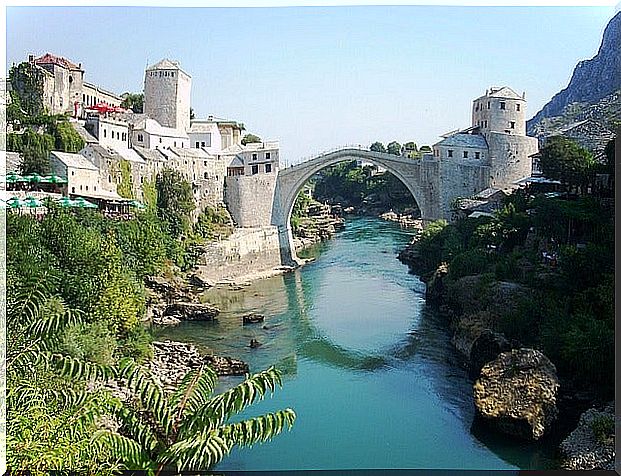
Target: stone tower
{"type": "Point", "coordinates": [500, 116]}
{"type": "Point", "coordinates": [167, 94]}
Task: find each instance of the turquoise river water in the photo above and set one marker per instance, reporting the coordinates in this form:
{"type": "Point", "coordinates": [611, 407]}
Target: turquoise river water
{"type": "Point", "coordinates": [368, 367]}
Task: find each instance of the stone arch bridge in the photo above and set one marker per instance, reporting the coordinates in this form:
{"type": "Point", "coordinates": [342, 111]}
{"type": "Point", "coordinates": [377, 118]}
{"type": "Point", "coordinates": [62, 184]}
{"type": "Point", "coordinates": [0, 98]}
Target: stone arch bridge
{"type": "Point", "coordinates": [421, 177]}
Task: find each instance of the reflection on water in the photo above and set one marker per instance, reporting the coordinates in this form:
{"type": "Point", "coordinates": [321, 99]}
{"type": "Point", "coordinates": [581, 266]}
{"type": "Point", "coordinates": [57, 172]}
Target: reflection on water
{"type": "Point", "coordinates": [368, 367]}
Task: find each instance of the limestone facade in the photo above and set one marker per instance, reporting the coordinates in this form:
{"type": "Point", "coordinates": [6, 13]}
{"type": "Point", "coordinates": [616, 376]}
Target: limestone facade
{"type": "Point", "coordinates": [167, 94]}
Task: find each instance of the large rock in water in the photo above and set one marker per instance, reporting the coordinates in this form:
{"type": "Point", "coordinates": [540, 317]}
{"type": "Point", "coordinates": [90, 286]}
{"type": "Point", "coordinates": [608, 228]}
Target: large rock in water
{"type": "Point", "coordinates": [190, 311]}
{"type": "Point", "coordinates": [516, 393]}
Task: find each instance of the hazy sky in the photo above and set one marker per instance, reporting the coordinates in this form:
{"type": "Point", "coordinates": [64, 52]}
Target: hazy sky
{"type": "Point", "coordinates": [320, 77]}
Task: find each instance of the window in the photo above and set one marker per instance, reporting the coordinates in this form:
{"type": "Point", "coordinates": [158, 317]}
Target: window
{"type": "Point", "coordinates": [254, 156]}
{"type": "Point", "coordinates": [465, 154]}
{"type": "Point", "coordinates": [477, 155]}
{"type": "Point", "coordinates": [104, 133]}
{"type": "Point", "coordinates": [268, 168]}
{"type": "Point", "coordinates": [512, 125]}
{"type": "Point", "coordinates": [95, 188]}
{"type": "Point", "coordinates": [83, 97]}
{"type": "Point", "coordinates": [268, 156]}
{"type": "Point", "coordinates": [488, 104]}
{"type": "Point", "coordinates": [202, 144]}
{"type": "Point", "coordinates": [197, 144]}
{"type": "Point", "coordinates": [140, 138]}
{"type": "Point", "coordinates": [255, 169]}
{"type": "Point", "coordinates": [517, 107]}
{"type": "Point", "coordinates": [205, 163]}
{"type": "Point", "coordinates": [141, 179]}
{"type": "Point", "coordinates": [87, 188]}
{"type": "Point", "coordinates": [503, 105]}
{"type": "Point", "coordinates": [486, 123]}
{"type": "Point", "coordinates": [109, 178]}
{"type": "Point", "coordinates": [80, 187]}
{"type": "Point", "coordinates": [450, 153]}
{"type": "Point", "coordinates": [175, 144]}
{"type": "Point", "coordinates": [205, 175]}
{"type": "Point", "coordinates": [124, 135]}
{"type": "Point", "coordinates": [160, 140]}
{"type": "Point", "coordinates": [73, 172]}
{"type": "Point", "coordinates": [72, 189]}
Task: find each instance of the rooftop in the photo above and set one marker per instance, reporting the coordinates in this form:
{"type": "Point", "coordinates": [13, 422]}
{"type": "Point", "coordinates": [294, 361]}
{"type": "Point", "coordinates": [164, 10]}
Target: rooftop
{"type": "Point", "coordinates": [151, 126]}
{"type": "Point", "coordinates": [76, 161]}
{"type": "Point", "coordinates": [49, 58]}
{"type": "Point", "coordinates": [501, 92]}
{"type": "Point", "coordinates": [166, 64]}
{"type": "Point", "coordinates": [464, 140]}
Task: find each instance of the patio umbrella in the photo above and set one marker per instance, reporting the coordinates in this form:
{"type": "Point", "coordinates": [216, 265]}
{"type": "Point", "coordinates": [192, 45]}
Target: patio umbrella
{"type": "Point", "coordinates": [33, 178]}
{"type": "Point", "coordinates": [32, 202]}
{"type": "Point", "coordinates": [53, 179]}
{"type": "Point", "coordinates": [15, 202]}
{"type": "Point", "coordinates": [12, 178]}
{"type": "Point", "coordinates": [82, 203]}
{"type": "Point", "coordinates": [136, 204]}
{"type": "Point", "coordinates": [65, 202]}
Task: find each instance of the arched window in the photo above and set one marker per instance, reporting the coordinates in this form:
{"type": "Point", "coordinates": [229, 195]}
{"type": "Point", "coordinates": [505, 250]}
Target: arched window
{"type": "Point", "coordinates": [205, 175]}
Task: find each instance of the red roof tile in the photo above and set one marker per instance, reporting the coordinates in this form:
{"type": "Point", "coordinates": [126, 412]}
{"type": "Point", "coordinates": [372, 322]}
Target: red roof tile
{"type": "Point", "coordinates": [49, 58]}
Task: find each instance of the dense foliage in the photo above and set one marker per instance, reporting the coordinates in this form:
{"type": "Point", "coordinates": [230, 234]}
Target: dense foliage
{"type": "Point", "coordinates": [560, 251]}
{"type": "Point", "coordinates": [352, 185]}
{"type": "Point", "coordinates": [250, 139]}
{"type": "Point", "coordinates": [133, 101]}
{"type": "Point", "coordinates": [175, 200]}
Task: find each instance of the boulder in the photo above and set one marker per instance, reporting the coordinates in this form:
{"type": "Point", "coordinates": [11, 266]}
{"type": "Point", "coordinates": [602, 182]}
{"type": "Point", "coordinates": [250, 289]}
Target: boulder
{"type": "Point", "coordinates": [516, 393]}
{"type": "Point", "coordinates": [485, 348]}
{"type": "Point", "coordinates": [159, 284]}
{"type": "Point", "coordinates": [253, 318]}
{"type": "Point", "coordinates": [197, 281]}
{"type": "Point", "coordinates": [435, 285]}
{"type": "Point", "coordinates": [592, 444]}
{"type": "Point", "coordinates": [226, 365]}
{"type": "Point", "coordinates": [189, 311]}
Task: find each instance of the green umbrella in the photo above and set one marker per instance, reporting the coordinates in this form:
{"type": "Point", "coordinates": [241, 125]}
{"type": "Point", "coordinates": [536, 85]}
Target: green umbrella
{"type": "Point", "coordinates": [136, 204]}
{"type": "Point", "coordinates": [65, 202]}
{"type": "Point", "coordinates": [81, 203]}
{"type": "Point", "coordinates": [53, 179]}
{"type": "Point", "coordinates": [32, 202]}
{"type": "Point", "coordinates": [33, 178]}
{"type": "Point", "coordinates": [15, 202]}
{"type": "Point", "coordinates": [13, 177]}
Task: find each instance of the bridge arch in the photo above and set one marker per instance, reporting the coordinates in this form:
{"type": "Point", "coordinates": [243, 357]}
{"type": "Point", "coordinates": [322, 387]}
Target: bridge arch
{"type": "Point", "coordinates": [291, 180]}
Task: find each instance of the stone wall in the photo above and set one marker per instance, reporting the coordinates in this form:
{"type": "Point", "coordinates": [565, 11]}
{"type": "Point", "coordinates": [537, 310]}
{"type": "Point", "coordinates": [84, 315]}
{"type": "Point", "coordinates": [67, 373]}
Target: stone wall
{"type": "Point", "coordinates": [509, 157]}
{"type": "Point", "coordinates": [460, 179]}
{"type": "Point", "coordinates": [250, 199]}
{"type": "Point", "coordinates": [246, 251]}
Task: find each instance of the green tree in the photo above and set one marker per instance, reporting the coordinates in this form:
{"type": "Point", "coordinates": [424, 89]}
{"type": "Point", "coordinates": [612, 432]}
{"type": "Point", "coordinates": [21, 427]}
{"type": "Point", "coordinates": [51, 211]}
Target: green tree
{"type": "Point", "coordinates": [27, 88]}
{"type": "Point", "coordinates": [34, 160]}
{"type": "Point", "coordinates": [394, 148]}
{"type": "Point", "coordinates": [133, 101]}
{"type": "Point", "coordinates": [250, 138]}
{"type": "Point", "coordinates": [175, 200]}
{"type": "Point", "coordinates": [66, 138]}
{"type": "Point", "coordinates": [562, 159]}
{"type": "Point", "coordinates": [425, 149]}
{"type": "Point", "coordinates": [190, 428]}
{"type": "Point", "coordinates": [377, 147]}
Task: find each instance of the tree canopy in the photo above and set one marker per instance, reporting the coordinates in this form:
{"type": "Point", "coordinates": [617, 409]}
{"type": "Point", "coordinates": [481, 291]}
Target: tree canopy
{"type": "Point", "coordinates": [175, 200]}
{"type": "Point", "coordinates": [562, 159]}
{"type": "Point", "coordinates": [394, 148]}
{"type": "Point", "coordinates": [377, 147]}
{"type": "Point", "coordinates": [133, 101]}
{"type": "Point", "coordinates": [250, 138]}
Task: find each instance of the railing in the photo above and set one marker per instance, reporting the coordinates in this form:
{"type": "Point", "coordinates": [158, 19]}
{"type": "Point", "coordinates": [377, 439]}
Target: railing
{"type": "Point", "coordinates": [326, 152]}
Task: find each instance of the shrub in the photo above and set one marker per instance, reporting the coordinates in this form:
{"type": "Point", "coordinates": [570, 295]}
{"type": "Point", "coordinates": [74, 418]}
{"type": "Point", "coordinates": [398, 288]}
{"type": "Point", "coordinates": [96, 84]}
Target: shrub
{"type": "Point", "coordinates": [92, 341]}
{"type": "Point", "coordinates": [603, 427]}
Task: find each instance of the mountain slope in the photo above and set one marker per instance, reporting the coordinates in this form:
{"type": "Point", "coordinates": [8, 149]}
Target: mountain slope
{"type": "Point", "coordinates": [592, 79]}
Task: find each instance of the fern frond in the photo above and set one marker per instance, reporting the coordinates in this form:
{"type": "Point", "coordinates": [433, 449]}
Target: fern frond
{"type": "Point", "coordinates": [259, 429]}
{"type": "Point", "coordinates": [133, 426]}
{"type": "Point", "coordinates": [200, 452]}
{"type": "Point", "coordinates": [149, 391]}
{"type": "Point", "coordinates": [221, 407]}
{"type": "Point", "coordinates": [193, 392]}
{"type": "Point", "coordinates": [125, 449]}
{"type": "Point", "coordinates": [78, 369]}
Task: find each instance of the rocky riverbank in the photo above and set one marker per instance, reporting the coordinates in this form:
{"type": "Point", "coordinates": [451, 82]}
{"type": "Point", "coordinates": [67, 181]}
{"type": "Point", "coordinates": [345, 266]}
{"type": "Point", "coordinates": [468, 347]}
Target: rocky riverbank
{"type": "Point", "coordinates": [320, 223]}
{"type": "Point", "coordinates": [517, 390]}
{"type": "Point", "coordinates": [406, 220]}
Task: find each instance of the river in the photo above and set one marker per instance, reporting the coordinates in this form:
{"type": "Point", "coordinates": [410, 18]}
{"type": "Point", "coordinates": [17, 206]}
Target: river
{"type": "Point", "coordinates": [368, 367]}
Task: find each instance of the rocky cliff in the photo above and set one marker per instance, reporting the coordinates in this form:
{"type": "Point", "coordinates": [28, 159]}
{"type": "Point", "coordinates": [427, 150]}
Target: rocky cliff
{"type": "Point", "coordinates": [592, 79]}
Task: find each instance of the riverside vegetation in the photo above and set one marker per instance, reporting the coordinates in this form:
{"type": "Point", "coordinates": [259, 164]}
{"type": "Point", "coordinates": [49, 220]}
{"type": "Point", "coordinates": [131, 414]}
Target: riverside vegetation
{"type": "Point", "coordinates": [75, 305]}
{"type": "Point", "coordinates": [554, 256]}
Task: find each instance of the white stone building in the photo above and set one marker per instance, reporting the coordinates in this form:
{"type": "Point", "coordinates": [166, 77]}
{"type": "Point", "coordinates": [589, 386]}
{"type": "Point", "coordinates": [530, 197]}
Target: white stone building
{"type": "Point", "coordinates": [150, 134]}
{"type": "Point", "coordinates": [496, 139]}
{"type": "Point", "coordinates": [253, 159]}
{"type": "Point", "coordinates": [167, 91]}
{"type": "Point", "coordinates": [82, 175]}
